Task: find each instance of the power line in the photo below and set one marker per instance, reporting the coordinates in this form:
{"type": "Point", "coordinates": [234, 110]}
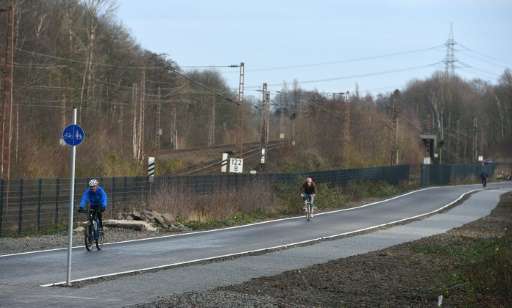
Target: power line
{"type": "Point", "coordinates": [44, 87]}
{"type": "Point", "coordinates": [38, 66]}
{"type": "Point", "coordinates": [483, 60]}
{"type": "Point", "coordinates": [358, 75]}
{"type": "Point", "coordinates": [210, 66]}
{"type": "Point", "coordinates": [214, 91]}
{"type": "Point", "coordinates": [197, 83]}
{"type": "Point", "coordinates": [475, 69]}
{"type": "Point", "coordinates": [187, 78]}
{"type": "Point", "coordinates": [95, 64]}
{"type": "Point", "coordinates": [345, 61]}
{"type": "Point", "coordinates": [119, 66]}
{"type": "Point", "coordinates": [235, 66]}
{"type": "Point", "coordinates": [484, 55]}
{"type": "Point", "coordinates": [451, 42]}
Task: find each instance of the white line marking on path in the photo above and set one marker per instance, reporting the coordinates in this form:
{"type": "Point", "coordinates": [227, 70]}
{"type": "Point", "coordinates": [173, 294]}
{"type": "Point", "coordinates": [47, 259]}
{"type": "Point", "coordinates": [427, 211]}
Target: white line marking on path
{"type": "Point", "coordinates": [224, 229]}
{"type": "Point", "coordinates": [71, 297]}
{"type": "Point", "coordinates": [267, 249]}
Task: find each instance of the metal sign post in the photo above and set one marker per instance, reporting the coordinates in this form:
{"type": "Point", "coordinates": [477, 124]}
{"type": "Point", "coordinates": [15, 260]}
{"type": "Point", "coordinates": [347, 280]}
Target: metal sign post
{"type": "Point", "coordinates": [151, 168]}
{"type": "Point", "coordinates": [73, 135]}
{"type": "Point", "coordinates": [224, 163]}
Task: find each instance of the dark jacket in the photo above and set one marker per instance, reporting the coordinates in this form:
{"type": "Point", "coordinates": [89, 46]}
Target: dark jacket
{"type": "Point", "coordinates": [309, 189]}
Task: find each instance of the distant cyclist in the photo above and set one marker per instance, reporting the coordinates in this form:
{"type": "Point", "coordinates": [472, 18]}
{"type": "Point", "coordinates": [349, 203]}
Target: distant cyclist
{"type": "Point", "coordinates": [309, 192]}
{"type": "Point", "coordinates": [96, 197]}
{"type": "Point", "coordinates": [483, 177]}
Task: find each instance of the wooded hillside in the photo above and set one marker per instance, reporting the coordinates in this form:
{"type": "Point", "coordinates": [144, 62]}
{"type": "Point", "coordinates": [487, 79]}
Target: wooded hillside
{"type": "Point", "coordinates": [133, 103]}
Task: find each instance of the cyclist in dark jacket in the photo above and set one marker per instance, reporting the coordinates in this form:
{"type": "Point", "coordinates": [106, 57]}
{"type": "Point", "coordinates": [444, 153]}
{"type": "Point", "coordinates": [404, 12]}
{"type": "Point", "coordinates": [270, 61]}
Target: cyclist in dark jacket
{"type": "Point", "coordinates": [96, 197]}
{"type": "Point", "coordinates": [309, 191]}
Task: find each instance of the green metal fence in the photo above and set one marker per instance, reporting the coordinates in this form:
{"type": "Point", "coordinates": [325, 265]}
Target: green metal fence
{"type": "Point", "coordinates": [28, 205]}
{"type": "Point", "coordinates": [451, 174]}
{"type": "Point", "coordinates": [38, 204]}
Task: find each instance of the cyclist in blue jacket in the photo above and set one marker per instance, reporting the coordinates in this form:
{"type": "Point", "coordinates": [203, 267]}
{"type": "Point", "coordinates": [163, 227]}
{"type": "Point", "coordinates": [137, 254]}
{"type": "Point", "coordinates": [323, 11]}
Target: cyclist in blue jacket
{"type": "Point", "coordinates": [96, 197]}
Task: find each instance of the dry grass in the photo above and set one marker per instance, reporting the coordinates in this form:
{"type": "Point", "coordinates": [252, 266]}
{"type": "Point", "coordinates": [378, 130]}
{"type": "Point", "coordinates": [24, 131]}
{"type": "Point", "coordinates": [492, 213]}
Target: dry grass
{"type": "Point", "coordinates": [187, 205]}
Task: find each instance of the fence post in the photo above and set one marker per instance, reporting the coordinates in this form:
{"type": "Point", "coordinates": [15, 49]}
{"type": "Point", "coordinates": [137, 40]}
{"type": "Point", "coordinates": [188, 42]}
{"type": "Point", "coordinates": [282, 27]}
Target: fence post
{"type": "Point", "coordinates": [39, 194]}
{"type": "Point", "coordinates": [125, 190]}
{"type": "Point", "coordinates": [2, 186]}
{"type": "Point", "coordinates": [57, 193]}
{"type": "Point", "coordinates": [424, 175]}
{"type": "Point", "coordinates": [20, 211]}
{"type": "Point", "coordinates": [147, 190]}
{"type": "Point", "coordinates": [113, 196]}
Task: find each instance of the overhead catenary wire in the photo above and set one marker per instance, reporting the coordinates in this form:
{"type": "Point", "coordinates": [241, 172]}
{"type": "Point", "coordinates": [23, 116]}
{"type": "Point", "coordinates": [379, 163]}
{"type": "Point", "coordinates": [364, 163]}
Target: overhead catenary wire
{"type": "Point", "coordinates": [172, 69]}
{"type": "Point", "coordinates": [128, 88]}
{"type": "Point", "coordinates": [138, 66]}
{"type": "Point", "coordinates": [57, 104]}
{"type": "Point", "coordinates": [200, 84]}
{"type": "Point", "coordinates": [29, 52]}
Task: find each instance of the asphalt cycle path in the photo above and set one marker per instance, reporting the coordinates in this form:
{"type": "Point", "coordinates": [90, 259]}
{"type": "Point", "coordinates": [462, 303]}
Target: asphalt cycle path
{"type": "Point", "coordinates": [28, 271]}
{"type": "Point", "coordinates": [48, 267]}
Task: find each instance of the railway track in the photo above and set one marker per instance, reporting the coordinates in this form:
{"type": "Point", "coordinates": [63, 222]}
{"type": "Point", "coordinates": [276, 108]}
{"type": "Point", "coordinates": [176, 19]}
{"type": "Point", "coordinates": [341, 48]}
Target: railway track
{"type": "Point", "coordinates": [228, 146]}
{"type": "Point", "coordinates": [253, 151]}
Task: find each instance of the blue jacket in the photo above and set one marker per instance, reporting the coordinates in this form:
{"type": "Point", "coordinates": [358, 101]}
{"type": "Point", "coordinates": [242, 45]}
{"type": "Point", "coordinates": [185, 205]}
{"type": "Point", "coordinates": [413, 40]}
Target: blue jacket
{"type": "Point", "coordinates": [97, 198]}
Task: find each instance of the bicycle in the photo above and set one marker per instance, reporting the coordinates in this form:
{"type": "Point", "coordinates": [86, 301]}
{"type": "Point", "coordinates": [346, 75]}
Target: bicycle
{"type": "Point", "coordinates": [92, 231]}
{"type": "Point", "coordinates": [308, 206]}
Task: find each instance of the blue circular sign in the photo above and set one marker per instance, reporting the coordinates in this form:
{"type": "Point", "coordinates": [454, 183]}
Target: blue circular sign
{"type": "Point", "coordinates": [73, 135]}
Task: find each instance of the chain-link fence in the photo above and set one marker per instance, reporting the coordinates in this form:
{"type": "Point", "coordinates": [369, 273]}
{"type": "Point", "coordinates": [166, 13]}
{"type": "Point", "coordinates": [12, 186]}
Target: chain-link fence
{"type": "Point", "coordinates": [41, 204]}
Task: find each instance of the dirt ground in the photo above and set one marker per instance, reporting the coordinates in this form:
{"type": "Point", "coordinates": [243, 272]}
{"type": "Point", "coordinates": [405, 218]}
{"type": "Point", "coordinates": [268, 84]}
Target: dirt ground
{"type": "Point", "coordinates": [408, 275]}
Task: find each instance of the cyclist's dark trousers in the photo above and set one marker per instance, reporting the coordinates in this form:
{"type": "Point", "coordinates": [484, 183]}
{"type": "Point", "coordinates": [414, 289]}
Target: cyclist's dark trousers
{"type": "Point", "coordinates": [100, 217]}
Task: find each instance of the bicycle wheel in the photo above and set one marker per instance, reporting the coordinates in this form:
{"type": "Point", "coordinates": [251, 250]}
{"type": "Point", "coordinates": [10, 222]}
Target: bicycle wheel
{"type": "Point", "coordinates": [88, 237]}
{"type": "Point", "coordinates": [308, 211]}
